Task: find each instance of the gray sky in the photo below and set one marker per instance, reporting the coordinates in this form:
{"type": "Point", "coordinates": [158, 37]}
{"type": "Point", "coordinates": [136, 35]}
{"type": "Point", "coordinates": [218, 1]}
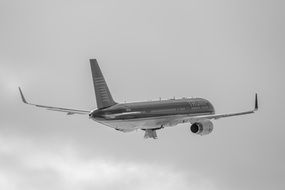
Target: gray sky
{"type": "Point", "coordinates": [224, 51]}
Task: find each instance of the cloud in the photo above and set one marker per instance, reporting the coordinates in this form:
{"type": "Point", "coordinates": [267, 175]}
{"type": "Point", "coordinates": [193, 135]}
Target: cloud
{"type": "Point", "coordinates": [28, 165]}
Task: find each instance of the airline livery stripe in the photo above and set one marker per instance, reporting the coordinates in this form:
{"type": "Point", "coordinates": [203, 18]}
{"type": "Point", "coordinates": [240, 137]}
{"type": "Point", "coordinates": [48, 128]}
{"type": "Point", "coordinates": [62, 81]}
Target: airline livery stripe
{"type": "Point", "coordinates": [99, 78]}
{"type": "Point", "coordinates": [100, 83]}
{"type": "Point", "coordinates": [103, 92]}
{"type": "Point", "coordinates": [102, 89]}
{"type": "Point", "coordinates": [100, 86]}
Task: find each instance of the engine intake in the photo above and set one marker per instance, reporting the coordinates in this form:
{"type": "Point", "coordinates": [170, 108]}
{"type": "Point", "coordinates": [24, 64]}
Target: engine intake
{"type": "Point", "coordinates": [202, 127]}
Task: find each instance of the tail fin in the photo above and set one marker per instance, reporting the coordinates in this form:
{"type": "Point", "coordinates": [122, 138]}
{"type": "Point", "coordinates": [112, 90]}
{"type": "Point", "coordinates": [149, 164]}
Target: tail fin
{"type": "Point", "coordinates": [103, 96]}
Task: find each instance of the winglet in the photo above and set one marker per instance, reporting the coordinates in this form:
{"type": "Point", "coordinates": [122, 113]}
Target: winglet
{"type": "Point", "coordinates": [22, 96]}
{"type": "Point", "coordinates": [256, 103]}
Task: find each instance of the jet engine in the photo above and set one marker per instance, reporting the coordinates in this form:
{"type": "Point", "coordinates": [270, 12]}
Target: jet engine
{"type": "Point", "coordinates": [202, 127]}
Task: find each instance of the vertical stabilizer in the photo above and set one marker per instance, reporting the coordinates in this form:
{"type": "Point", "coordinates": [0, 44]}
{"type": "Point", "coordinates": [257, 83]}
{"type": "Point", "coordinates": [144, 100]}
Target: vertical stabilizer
{"type": "Point", "coordinates": [103, 96]}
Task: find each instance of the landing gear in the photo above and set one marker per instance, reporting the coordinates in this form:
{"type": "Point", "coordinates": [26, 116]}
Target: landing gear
{"type": "Point", "coordinates": [150, 133]}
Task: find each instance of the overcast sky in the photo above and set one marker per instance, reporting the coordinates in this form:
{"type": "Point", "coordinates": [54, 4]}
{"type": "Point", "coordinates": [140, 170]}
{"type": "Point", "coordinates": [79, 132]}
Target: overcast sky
{"type": "Point", "coordinates": [223, 51]}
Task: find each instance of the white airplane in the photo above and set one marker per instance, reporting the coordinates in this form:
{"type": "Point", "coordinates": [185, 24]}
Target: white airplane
{"type": "Point", "coordinates": [148, 116]}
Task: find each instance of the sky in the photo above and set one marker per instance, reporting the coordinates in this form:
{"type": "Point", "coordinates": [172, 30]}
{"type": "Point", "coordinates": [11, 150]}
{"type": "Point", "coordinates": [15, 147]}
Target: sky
{"type": "Point", "coordinates": [222, 50]}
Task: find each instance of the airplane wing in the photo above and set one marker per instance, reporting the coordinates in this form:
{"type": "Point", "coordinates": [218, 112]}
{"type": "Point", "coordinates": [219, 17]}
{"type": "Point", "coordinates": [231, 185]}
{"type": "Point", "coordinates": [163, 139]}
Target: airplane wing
{"type": "Point", "coordinates": [66, 110]}
{"type": "Point", "coordinates": [193, 119]}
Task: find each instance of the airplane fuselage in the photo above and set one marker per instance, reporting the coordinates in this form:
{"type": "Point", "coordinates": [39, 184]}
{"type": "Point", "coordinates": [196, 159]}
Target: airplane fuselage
{"type": "Point", "coordinates": [152, 114]}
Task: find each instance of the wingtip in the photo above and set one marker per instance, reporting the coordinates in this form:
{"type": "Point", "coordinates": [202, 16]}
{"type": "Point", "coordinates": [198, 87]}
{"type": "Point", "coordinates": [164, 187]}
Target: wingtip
{"type": "Point", "coordinates": [256, 103]}
{"type": "Point", "coordinates": [22, 96]}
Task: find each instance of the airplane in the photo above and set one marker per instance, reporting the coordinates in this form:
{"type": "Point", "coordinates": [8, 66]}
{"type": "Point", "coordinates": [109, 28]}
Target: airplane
{"type": "Point", "coordinates": [148, 116]}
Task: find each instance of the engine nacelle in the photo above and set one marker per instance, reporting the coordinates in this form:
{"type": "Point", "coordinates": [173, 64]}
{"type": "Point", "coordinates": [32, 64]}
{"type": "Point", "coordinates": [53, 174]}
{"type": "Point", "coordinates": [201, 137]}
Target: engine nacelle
{"type": "Point", "coordinates": [202, 128]}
